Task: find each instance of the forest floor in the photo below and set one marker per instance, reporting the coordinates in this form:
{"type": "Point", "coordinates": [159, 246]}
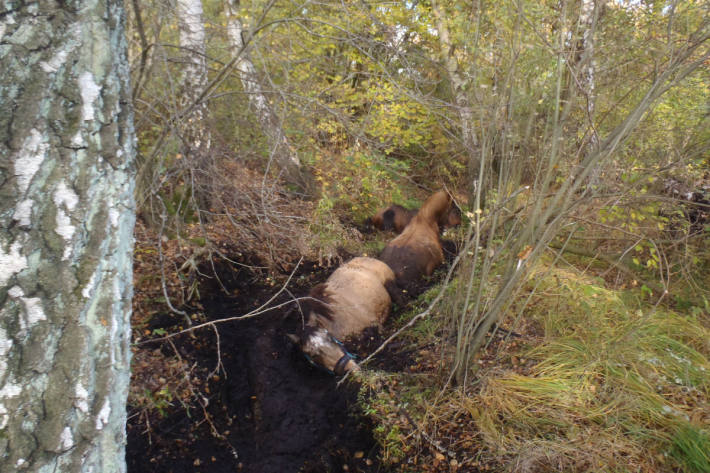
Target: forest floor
{"type": "Point", "coordinates": [263, 407]}
{"type": "Point", "coordinates": [595, 376]}
{"type": "Point", "coordinates": [238, 395]}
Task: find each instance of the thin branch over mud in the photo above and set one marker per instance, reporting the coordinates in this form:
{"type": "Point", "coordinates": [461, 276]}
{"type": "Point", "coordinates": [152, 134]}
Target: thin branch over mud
{"type": "Point", "coordinates": [258, 311]}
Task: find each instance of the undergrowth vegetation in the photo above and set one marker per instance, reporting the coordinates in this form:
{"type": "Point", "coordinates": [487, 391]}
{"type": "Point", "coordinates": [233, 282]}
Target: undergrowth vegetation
{"type": "Point", "coordinates": [613, 380]}
{"type": "Point", "coordinates": [598, 379]}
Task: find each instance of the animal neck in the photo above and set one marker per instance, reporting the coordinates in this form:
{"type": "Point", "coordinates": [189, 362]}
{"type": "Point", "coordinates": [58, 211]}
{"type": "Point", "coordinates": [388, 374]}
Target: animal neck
{"type": "Point", "coordinates": [434, 207]}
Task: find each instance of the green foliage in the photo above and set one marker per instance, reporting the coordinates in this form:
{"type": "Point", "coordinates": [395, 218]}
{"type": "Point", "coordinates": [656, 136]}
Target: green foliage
{"type": "Point", "coordinates": [361, 92]}
{"type": "Point", "coordinates": [178, 203]}
{"type": "Point", "coordinates": [691, 448]}
{"type": "Point", "coordinates": [159, 401]}
{"type": "Point", "coordinates": [358, 182]}
{"type": "Point", "coordinates": [384, 397]}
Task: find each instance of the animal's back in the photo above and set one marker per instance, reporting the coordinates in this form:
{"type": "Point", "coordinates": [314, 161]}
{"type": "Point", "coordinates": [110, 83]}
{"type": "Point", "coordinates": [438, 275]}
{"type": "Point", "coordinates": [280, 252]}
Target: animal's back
{"type": "Point", "coordinates": [417, 250]}
{"type": "Point", "coordinates": [413, 254]}
{"type": "Point", "coordinates": [357, 297]}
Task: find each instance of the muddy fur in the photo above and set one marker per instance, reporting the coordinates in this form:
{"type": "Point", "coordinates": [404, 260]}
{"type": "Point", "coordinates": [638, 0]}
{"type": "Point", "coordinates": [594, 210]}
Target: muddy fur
{"type": "Point", "coordinates": [320, 301]}
{"type": "Point", "coordinates": [353, 298]}
{"type": "Point", "coordinates": [395, 292]}
{"type": "Point", "coordinates": [396, 218]}
{"type": "Point", "coordinates": [417, 251]}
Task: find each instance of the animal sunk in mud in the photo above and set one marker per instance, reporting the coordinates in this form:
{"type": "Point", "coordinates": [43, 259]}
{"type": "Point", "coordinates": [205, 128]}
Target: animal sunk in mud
{"type": "Point", "coordinates": [395, 217]}
{"type": "Point", "coordinates": [417, 251]}
{"type": "Point", "coordinates": [356, 296]}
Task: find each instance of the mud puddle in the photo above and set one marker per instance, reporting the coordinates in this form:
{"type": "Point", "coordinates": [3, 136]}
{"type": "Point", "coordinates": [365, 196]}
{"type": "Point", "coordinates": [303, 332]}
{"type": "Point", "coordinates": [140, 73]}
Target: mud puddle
{"type": "Point", "coordinates": [268, 410]}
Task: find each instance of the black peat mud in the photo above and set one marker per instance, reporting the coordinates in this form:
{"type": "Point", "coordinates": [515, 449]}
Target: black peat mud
{"type": "Point", "coordinates": [269, 411]}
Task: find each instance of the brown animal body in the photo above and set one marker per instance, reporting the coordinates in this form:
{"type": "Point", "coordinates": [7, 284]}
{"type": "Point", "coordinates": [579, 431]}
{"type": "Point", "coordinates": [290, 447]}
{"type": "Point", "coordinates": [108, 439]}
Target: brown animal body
{"type": "Point", "coordinates": [417, 251]}
{"type": "Point", "coordinates": [356, 296]}
{"type": "Point", "coordinates": [395, 217]}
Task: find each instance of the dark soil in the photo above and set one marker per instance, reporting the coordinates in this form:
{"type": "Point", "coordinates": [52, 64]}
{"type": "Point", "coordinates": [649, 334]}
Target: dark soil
{"type": "Point", "coordinates": [269, 411]}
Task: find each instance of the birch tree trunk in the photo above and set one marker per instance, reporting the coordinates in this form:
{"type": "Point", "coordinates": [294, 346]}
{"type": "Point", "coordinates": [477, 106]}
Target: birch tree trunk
{"type": "Point", "coordinates": [582, 85]}
{"type": "Point", "coordinates": [195, 133]}
{"type": "Point", "coordinates": [286, 158]}
{"type": "Point", "coordinates": [66, 224]}
{"type": "Point", "coordinates": [458, 84]}
{"type": "Point", "coordinates": [586, 66]}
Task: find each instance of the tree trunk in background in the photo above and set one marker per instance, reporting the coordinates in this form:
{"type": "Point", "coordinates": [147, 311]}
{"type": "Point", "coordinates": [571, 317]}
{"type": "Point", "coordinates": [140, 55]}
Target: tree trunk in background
{"type": "Point", "coordinates": [286, 158]}
{"type": "Point", "coordinates": [195, 133]}
{"type": "Point", "coordinates": [586, 66]}
{"type": "Point", "coordinates": [66, 237]}
{"type": "Point", "coordinates": [458, 84]}
{"type": "Point", "coordinates": [584, 70]}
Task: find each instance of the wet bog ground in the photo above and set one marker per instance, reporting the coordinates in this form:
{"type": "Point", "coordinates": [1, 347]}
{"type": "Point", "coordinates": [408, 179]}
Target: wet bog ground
{"type": "Point", "coordinates": [268, 410]}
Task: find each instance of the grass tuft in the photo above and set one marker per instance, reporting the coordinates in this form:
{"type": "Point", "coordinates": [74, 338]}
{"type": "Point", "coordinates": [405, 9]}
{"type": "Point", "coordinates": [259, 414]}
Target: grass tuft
{"type": "Point", "coordinates": [691, 448]}
{"type": "Point", "coordinates": [608, 386]}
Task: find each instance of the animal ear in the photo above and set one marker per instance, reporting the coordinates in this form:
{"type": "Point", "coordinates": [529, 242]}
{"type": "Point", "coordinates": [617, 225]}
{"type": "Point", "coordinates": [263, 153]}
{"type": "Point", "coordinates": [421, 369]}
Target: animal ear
{"type": "Point", "coordinates": [294, 338]}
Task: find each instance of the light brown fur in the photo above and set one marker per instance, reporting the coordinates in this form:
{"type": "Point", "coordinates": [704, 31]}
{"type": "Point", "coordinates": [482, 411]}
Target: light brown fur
{"type": "Point", "coordinates": [352, 299]}
{"type": "Point", "coordinates": [417, 250]}
{"type": "Point", "coordinates": [356, 297]}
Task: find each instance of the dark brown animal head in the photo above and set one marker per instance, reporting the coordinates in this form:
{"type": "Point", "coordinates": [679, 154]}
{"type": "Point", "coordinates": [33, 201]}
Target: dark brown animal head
{"type": "Point", "coordinates": [417, 251]}
{"type": "Point", "coordinates": [325, 351]}
{"type": "Point", "coordinates": [395, 217]}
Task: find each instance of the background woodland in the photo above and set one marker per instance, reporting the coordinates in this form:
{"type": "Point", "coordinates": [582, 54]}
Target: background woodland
{"type": "Point", "coordinates": [575, 138]}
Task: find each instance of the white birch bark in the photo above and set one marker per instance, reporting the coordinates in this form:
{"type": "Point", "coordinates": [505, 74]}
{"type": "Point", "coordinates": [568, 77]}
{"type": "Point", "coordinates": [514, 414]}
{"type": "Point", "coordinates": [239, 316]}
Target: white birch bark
{"type": "Point", "coordinates": [584, 70]}
{"type": "Point", "coordinates": [194, 79]}
{"type": "Point", "coordinates": [66, 236]}
{"type": "Point", "coordinates": [458, 84]}
{"type": "Point", "coordinates": [287, 159]}
{"type": "Point", "coordinates": [588, 17]}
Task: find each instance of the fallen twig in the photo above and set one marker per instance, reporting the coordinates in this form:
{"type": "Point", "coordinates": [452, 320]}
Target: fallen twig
{"type": "Point", "coordinates": [258, 311]}
{"type": "Point", "coordinates": [421, 432]}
